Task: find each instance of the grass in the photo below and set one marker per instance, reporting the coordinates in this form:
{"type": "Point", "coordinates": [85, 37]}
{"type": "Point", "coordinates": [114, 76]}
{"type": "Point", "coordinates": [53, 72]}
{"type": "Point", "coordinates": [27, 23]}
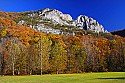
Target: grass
{"type": "Point", "coordinates": [107, 77]}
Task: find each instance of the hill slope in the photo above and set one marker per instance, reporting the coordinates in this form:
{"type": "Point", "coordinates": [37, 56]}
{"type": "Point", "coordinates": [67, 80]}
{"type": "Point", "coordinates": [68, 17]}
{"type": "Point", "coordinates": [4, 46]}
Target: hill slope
{"type": "Point", "coordinates": [28, 39]}
{"type": "Point", "coordinates": [120, 33]}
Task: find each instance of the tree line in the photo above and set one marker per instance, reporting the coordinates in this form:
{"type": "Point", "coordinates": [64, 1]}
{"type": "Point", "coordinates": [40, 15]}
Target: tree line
{"type": "Point", "coordinates": [24, 51]}
{"type": "Point", "coordinates": [61, 54]}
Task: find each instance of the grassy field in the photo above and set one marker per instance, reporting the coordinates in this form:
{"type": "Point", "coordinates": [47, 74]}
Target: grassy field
{"type": "Point", "coordinates": [108, 77]}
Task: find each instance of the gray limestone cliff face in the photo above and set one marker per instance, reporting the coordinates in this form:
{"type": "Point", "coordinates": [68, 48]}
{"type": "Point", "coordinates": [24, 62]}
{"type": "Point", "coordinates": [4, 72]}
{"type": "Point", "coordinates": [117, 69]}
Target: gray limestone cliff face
{"type": "Point", "coordinates": [82, 22]}
{"type": "Point", "coordinates": [87, 23]}
{"type": "Point", "coordinates": [56, 17]}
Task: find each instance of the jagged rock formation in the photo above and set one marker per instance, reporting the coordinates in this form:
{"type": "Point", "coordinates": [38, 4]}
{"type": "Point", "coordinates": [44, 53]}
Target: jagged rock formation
{"type": "Point", "coordinates": [56, 17]}
{"type": "Point", "coordinates": [87, 23]}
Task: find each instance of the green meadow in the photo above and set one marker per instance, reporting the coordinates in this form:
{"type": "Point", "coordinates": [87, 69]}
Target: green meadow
{"type": "Point", "coordinates": [106, 77]}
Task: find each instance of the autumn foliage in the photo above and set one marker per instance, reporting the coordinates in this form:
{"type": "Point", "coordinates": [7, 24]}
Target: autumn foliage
{"type": "Point", "coordinates": [20, 51]}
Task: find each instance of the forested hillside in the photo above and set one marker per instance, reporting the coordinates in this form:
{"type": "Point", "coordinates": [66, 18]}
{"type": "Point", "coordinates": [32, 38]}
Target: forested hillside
{"type": "Point", "coordinates": [26, 51]}
{"type": "Point", "coordinates": [119, 32]}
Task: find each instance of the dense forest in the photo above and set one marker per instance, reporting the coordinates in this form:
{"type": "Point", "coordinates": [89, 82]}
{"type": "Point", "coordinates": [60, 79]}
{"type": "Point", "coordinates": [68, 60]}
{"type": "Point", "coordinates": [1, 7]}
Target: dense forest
{"type": "Point", "coordinates": [25, 51]}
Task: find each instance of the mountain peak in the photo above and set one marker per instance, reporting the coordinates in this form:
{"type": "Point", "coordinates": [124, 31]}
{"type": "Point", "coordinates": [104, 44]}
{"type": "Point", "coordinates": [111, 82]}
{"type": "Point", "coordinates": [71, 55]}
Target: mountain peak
{"type": "Point", "coordinates": [89, 24]}
{"type": "Point", "coordinates": [57, 17]}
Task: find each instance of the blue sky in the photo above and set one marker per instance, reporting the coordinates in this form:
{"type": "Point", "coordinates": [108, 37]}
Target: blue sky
{"type": "Point", "coordinates": [109, 13]}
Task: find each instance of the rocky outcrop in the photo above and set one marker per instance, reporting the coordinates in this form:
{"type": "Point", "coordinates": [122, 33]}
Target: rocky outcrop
{"type": "Point", "coordinates": [82, 22]}
{"type": "Point", "coordinates": [87, 23]}
{"type": "Point", "coordinates": [56, 17]}
{"type": "Point", "coordinates": [47, 29]}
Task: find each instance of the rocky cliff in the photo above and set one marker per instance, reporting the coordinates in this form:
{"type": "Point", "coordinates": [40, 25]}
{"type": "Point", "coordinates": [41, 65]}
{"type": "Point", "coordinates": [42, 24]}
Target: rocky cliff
{"type": "Point", "coordinates": [87, 23]}
{"type": "Point", "coordinates": [56, 17]}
